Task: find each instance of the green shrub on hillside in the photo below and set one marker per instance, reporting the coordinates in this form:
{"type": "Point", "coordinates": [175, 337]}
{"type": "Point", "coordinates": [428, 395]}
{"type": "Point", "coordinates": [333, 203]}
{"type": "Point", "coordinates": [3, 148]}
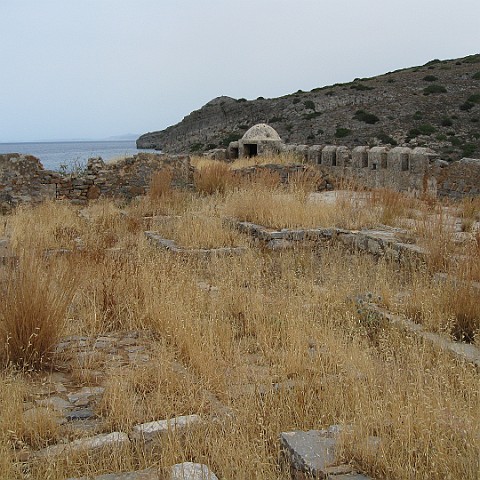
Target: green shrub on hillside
{"type": "Point", "coordinates": [469, 149]}
{"type": "Point", "coordinates": [309, 116]}
{"type": "Point", "coordinates": [386, 139]}
{"type": "Point", "coordinates": [430, 78]}
{"type": "Point", "coordinates": [342, 132]}
{"type": "Point", "coordinates": [472, 58]}
{"type": "Point", "coordinates": [196, 147]}
{"type": "Point", "coordinates": [476, 76]}
{"type": "Point", "coordinates": [467, 106]}
{"type": "Point", "coordinates": [360, 87]}
{"type": "Point", "coordinates": [446, 122]}
{"type": "Point", "coordinates": [475, 98]}
{"type": "Point", "coordinates": [434, 89]}
{"type": "Point", "coordinates": [425, 129]}
{"type": "Point", "coordinates": [363, 116]}
{"type": "Point", "coordinates": [309, 105]}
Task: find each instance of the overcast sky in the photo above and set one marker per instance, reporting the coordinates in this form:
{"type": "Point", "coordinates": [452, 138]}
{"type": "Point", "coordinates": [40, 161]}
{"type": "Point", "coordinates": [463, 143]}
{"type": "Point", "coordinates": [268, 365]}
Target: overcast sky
{"type": "Point", "coordinates": [98, 68]}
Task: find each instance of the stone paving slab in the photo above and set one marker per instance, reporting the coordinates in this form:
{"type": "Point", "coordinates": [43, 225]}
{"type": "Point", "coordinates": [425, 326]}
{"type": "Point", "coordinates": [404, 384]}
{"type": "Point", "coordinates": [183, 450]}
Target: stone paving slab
{"type": "Point", "coordinates": [313, 454]}
{"type": "Point", "coordinates": [310, 452]}
{"type": "Point", "coordinates": [464, 351]}
{"type": "Point", "coordinates": [153, 430]}
{"type": "Point", "coordinates": [171, 246]}
{"type": "Point", "coordinates": [85, 445]}
{"type": "Point", "coordinates": [191, 471]}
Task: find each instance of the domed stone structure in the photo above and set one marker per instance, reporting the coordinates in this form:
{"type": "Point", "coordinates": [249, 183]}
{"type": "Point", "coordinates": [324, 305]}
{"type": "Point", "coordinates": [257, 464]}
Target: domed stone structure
{"type": "Point", "coordinates": [258, 140]}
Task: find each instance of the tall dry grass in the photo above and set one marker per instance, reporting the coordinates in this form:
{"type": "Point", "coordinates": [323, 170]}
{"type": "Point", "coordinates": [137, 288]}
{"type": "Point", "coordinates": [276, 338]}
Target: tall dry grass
{"type": "Point", "coordinates": [213, 178]}
{"type": "Point", "coordinates": [33, 312]}
{"type": "Point", "coordinates": [240, 326]}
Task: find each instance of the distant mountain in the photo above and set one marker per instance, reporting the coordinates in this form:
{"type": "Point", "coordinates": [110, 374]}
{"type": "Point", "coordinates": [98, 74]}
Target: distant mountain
{"type": "Point", "coordinates": [435, 105]}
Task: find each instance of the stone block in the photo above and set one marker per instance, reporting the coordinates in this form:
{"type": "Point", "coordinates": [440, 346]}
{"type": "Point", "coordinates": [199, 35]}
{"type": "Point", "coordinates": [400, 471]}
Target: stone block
{"type": "Point", "coordinates": [344, 157]}
{"type": "Point", "coordinates": [360, 157]}
{"type": "Point", "coordinates": [419, 160]}
{"type": "Point", "coordinates": [85, 445]}
{"type": "Point", "coordinates": [191, 471]}
{"type": "Point", "coordinates": [329, 156]}
{"type": "Point", "coordinates": [377, 158]}
{"type": "Point", "coordinates": [311, 452]}
{"type": "Point", "coordinates": [153, 430]}
{"type": "Point", "coordinates": [315, 154]}
{"type": "Point", "coordinates": [398, 159]}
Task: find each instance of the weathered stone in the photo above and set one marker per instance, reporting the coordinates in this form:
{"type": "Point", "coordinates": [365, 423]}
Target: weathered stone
{"type": "Point", "coordinates": [93, 192]}
{"type": "Point", "coordinates": [329, 156]}
{"type": "Point", "coordinates": [153, 430]}
{"type": "Point", "coordinates": [56, 403]}
{"type": "Point", "coordinates": [310, 452]}
{"type": "Point", "coordinates": [85, 393]}
{"type": "Point", "coordinates": [191, 471]}
{"type": "Point", "coordinates": [86, 445]}
{"type": "Point", "coordinates": [82, 414]}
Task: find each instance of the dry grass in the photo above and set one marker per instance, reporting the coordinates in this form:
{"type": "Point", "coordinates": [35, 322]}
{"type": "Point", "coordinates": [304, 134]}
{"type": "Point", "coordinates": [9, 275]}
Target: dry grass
{"type": "Point", "coordinates": [240, 324]}
{"type": "Point", "coordinates": [33, 311]}
{"type": "Point", "coordinates": [192, 231]}
{"type": "Point", "coordinates": [160, 184]}
{"type": "Point", "coordinates": [213, 178]}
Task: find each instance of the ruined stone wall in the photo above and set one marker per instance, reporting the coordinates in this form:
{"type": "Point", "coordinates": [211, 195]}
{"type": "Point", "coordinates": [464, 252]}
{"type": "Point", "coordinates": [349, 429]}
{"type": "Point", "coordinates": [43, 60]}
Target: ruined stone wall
{"type": "Point", "coordinates": [124, 179]}
{"type": "Point", "coordinates": [24, 180]}
{"type": "Point", "coordinates": [458, 179]}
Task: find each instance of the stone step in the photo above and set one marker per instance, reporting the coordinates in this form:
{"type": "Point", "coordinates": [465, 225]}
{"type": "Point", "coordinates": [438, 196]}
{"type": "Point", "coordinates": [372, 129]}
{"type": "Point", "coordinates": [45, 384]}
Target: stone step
{"type": "Point", "coordinates": [313, 454]}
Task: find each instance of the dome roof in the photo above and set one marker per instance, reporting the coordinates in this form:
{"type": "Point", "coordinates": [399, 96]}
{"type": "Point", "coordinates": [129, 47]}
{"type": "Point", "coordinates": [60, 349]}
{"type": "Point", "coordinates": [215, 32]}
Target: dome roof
{"type": "Point", "coordinates": [261, 132]}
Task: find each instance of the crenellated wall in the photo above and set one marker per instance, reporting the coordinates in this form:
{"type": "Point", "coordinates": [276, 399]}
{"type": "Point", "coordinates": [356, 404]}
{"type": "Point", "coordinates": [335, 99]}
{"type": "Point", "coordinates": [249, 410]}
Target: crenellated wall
{"type": "Point", "coordinates": [398, 168]}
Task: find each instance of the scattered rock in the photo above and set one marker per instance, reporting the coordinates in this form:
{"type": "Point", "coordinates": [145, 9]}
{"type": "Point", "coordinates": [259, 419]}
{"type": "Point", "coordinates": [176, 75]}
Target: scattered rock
{"type": "Point", "coordinates": [191, 471]}
{"type": "Point", "coordinates": [85, 445]}
{"type": "Point", "coordinates": [152, 430]}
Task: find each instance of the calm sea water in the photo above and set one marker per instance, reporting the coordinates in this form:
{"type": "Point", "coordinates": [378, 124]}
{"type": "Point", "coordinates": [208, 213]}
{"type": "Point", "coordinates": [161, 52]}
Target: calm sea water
{"type": "Point", "coordinates": [55, 154]}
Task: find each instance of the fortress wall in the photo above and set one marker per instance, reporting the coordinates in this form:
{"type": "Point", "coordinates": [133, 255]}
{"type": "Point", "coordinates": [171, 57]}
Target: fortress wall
{"type": "Point", "coordinates": [398, 168]}
{"type": "Point", "coordinates": [418, 171]}
{"type": "Point", "coordinates": [458, 179]}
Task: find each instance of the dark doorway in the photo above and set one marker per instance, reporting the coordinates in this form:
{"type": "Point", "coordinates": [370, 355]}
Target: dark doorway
{"type": "Point", "coordinates": [251, 149]}
{"type": "Point", "coordinates": [234, 152]}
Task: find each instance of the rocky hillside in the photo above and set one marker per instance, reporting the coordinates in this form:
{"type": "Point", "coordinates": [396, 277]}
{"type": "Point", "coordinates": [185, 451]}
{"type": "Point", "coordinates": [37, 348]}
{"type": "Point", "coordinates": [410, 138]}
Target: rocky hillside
{"type": "Point", "coordinates": [435, 105]}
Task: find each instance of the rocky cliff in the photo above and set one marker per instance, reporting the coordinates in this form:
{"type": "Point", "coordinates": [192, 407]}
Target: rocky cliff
{"type": "Point", "coordinates": [435, 105]}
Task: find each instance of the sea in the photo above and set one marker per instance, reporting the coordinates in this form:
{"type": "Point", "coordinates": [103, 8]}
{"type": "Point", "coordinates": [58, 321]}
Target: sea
{"type": "Point", "coordinates": [69, 156]}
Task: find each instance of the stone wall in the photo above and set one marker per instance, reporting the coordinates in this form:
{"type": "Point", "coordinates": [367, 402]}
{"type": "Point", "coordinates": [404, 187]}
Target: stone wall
{"type": "Point", "coordinates": [458, 179]}
{"type": "Point", "coordinates": [418, 171]}
{"type": "Point", "coordinates": [125, 179]}
{"type": "Point", "coordinates": [24, 180]}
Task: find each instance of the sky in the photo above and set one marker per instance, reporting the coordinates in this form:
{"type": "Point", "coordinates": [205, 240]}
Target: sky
{"type": "Point", "coordinates": [93, 69]}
